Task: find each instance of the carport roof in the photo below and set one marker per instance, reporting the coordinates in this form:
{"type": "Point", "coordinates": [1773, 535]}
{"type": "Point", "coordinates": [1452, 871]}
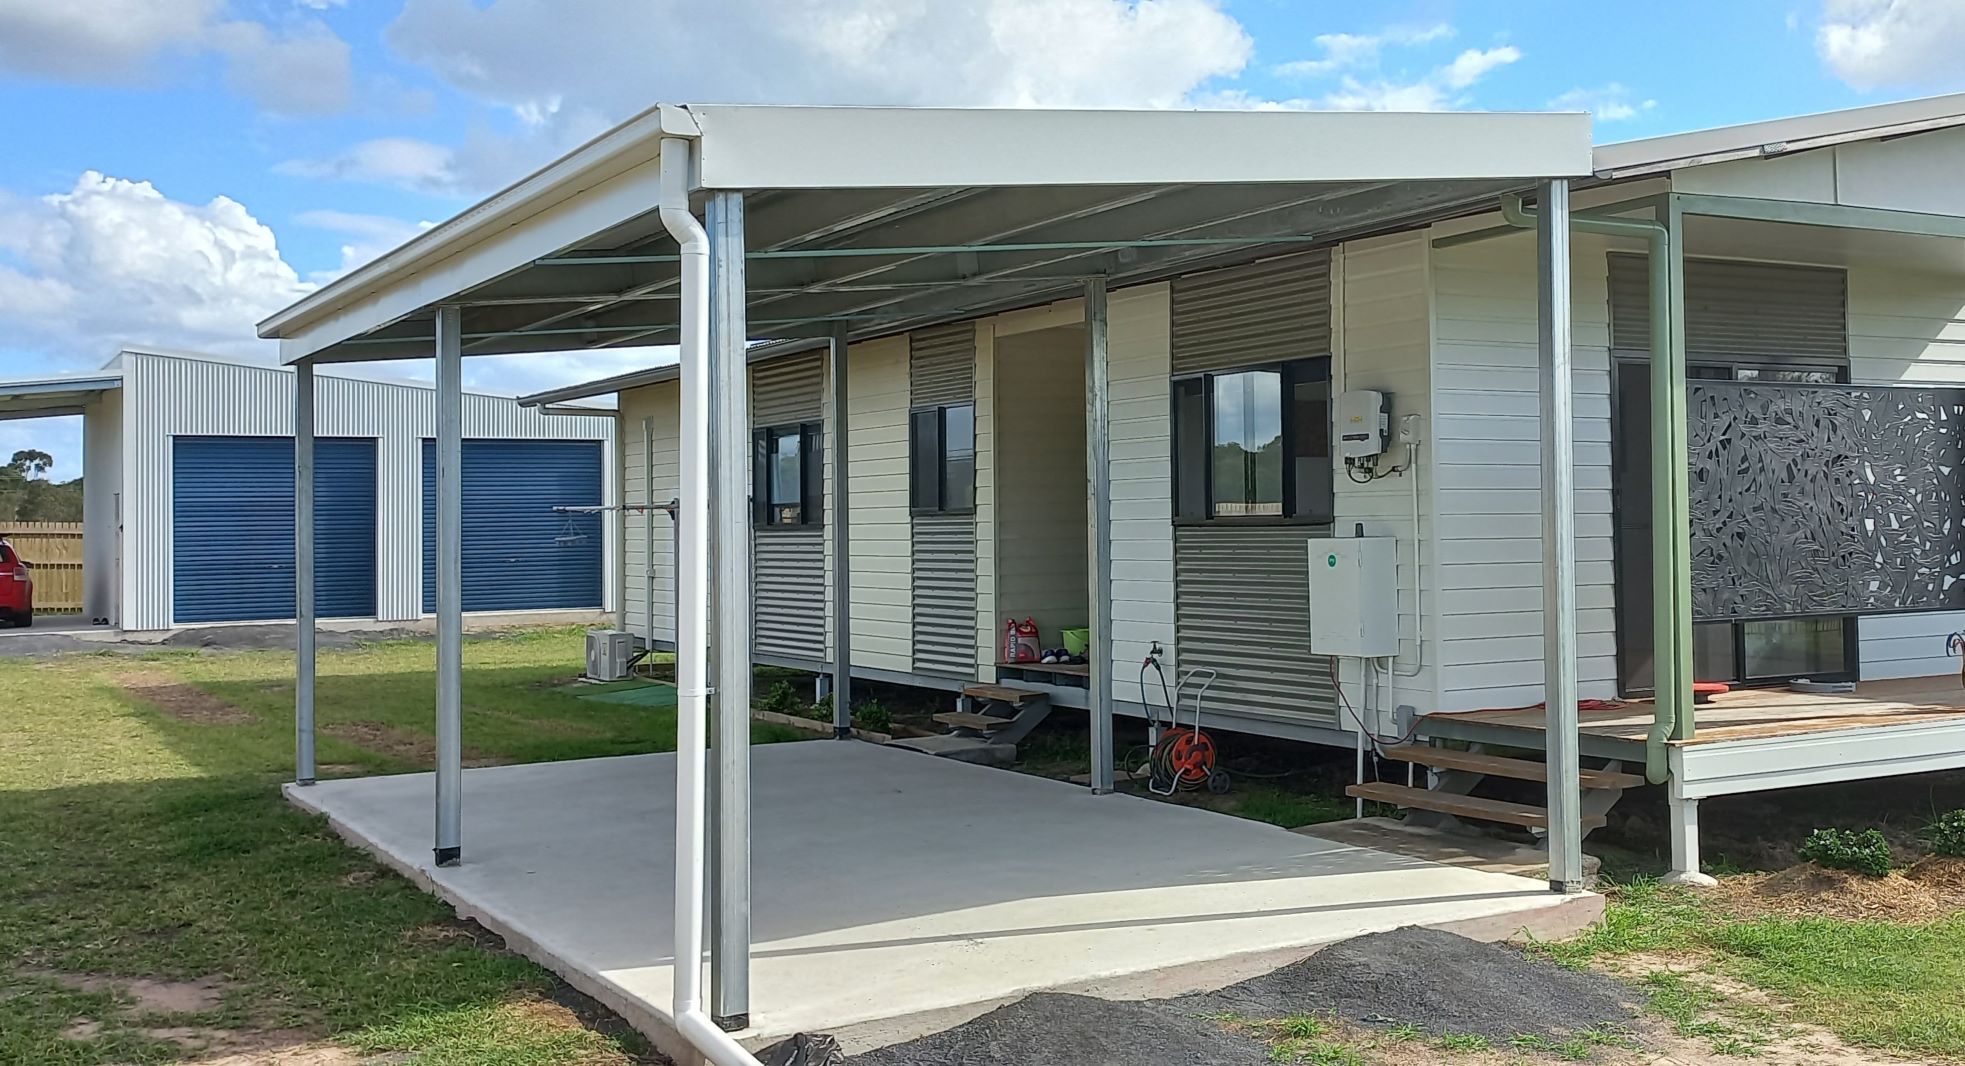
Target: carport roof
{"type": "Point", "coordinates": [885, 219]}
{"type": "Point", "coordinates": [54, 394]}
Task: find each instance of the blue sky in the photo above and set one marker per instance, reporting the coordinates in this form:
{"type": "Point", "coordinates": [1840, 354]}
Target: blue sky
{"type": "Point", "coordinates": [176, 169]}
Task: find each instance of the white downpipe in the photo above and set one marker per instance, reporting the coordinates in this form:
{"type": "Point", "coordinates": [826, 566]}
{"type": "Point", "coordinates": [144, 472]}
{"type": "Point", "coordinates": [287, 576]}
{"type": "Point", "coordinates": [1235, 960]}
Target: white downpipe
{"type": "Point", "coordinates": [692, 616]}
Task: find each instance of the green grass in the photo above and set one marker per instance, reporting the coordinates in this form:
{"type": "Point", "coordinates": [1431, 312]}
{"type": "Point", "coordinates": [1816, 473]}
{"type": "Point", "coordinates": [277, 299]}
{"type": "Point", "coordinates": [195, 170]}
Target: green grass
{"type": "Point", "coordinates": [1894, 986]}
{"type": "Point", "coordinates": [138, 844]}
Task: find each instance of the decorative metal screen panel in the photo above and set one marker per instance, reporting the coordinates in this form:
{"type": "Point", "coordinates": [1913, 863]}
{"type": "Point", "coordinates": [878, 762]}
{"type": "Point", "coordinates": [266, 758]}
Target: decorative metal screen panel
{"type": "Point", "coordinates": [1812, 499]}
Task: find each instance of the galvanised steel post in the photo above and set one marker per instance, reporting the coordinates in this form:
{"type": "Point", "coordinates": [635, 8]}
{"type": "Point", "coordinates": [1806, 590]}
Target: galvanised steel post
{"type": "Point", "coordinates": [838, 523]}
{"type": "Point", "coordinates": [450, 585]}
{"type": "Point", "coordinates": [1559, 538]}
{"type": "Point", "coordinates": [303, 574]}
{"type": "Point", "coordinates": [1098, 477]}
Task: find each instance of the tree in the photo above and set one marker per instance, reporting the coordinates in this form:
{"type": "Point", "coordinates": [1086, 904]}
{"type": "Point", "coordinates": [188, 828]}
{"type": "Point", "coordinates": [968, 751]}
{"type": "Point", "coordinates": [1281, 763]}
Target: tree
{"type": "Point", "coordinates": [26, 494]}
{"type": "Point", "coordinates": [31, 463]}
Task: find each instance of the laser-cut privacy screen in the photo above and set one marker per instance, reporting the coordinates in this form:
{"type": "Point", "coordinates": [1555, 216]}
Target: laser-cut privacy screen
{"type": "Point", "coordinates": [1811, 499]}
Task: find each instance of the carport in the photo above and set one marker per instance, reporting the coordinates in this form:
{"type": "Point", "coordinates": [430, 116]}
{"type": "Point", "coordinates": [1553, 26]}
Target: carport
{"type": "Point", "coordinates": [94, 398]}
{"type": "Point", "coordinates": [826, 225]}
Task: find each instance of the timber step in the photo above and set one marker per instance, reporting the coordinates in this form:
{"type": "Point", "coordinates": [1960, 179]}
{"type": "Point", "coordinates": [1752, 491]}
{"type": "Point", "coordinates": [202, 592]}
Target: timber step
{"type": "Point", "coordinates": [1015, 697]}
{"type": "Point", "coordinates": [1502, 766]}
{"type": "Point", "coordinates": [1483, 809]}
{"type": "Point", "coordinates": [981, 723]}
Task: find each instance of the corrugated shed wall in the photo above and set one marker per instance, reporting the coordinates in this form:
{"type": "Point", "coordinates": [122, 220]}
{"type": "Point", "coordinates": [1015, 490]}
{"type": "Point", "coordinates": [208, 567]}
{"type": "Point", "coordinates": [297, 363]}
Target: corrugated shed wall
{"type": "Point", "coordinates": [1241, 593]}
{"type": "Point", "coordinates": [167, 396]}
{"type": "Point", "coordinates": [941, 372]}
{"type": "Point", "coordinates": [880, 550]}
{"type": "Point", "coordinates": [789, 607]}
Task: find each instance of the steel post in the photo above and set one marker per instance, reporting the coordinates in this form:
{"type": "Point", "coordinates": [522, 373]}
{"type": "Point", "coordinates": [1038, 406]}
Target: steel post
{"type": "Point", "coordinates": [303, 574]}
{"type": "Point", "coordinates": [1098, 477]}
{"type": "Point", "coordinates": [1559, 538]}
{"type": "Point", "coordinates": [450, 585]}
{"type": "Point", "coordinates": [839, 524]}
{"type": "Point", "coordinates": [730, 597]}
{"type": "Point", "coordinates": [1678, 521]}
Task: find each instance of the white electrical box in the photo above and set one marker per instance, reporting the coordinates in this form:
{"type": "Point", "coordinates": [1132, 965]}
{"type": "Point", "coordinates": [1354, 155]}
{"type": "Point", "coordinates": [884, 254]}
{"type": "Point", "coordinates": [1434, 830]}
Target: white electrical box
{"type": "Point", "coordinates": [1364, 416]}
{"type": "Point", "coordinates": [608, 654]}
{"type": "Point", "coordinates": [1354, 596]}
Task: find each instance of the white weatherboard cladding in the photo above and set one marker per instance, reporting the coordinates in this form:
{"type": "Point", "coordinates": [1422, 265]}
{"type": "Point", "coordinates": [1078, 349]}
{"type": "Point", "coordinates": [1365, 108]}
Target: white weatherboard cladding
{"type": "Point", "coordinates": [1139, 347]}
{"type": "Point", "coordinates": [1906, 327]}
{"type": "Point", "coordinates": [659, 407]}
{"type": "Point", "coordinates": [880, 551]}
{"type": "Point", "coordinates": [1383, 341]}
{"type": "Point", "coordinates": [789, 616]}
{"type": "Point", "coordinates": [1486, 444]}
{"type": "Point", "coordinates": [984, 559]}
{"type": "Point", "coordinates": [168, 396]}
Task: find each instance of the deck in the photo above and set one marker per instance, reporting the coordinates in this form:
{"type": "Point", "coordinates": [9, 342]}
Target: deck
{"type": "Point", "coordinates": [1754, 739]}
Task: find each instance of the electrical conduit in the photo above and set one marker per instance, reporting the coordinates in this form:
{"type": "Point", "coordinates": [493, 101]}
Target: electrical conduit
{"type": "Point", "coordinates": [692, 615]}
{"type": "Point", "coordinates": [1671, 703]}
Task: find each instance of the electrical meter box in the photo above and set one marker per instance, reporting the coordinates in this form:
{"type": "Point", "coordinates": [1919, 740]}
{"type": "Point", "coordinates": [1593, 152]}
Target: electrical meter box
{"type": "Point", "coordinates": [1364, 416]}
{"type": "Point", "coordinates": [1354, 596]}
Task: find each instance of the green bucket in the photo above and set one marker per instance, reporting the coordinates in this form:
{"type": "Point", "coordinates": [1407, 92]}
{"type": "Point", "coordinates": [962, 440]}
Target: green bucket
{"type": "Point", "coordinates": [1077, 641]}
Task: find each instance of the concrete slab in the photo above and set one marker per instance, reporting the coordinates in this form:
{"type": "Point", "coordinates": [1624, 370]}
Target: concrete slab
{"type": "Point", "coordinates": [891, 885]}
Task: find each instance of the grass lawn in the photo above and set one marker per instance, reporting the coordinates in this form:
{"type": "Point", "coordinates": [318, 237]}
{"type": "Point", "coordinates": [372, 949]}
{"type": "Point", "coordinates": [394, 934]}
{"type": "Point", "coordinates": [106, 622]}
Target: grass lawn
{"type": "Point", "coordinates": [158, 897]}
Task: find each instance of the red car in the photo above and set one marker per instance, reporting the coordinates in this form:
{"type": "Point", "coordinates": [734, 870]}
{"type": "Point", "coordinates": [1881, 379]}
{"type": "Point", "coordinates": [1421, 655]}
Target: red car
{"type": "Point", "coordinates": [16, 587]}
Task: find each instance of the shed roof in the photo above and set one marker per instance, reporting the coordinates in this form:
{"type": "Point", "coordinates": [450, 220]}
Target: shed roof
{"type": "Point", "coordinates": [885, 218]}
{"type": "Point", "coordinates": [50, 395]}
{"type": "Point", "coordinates": [1657, 155]}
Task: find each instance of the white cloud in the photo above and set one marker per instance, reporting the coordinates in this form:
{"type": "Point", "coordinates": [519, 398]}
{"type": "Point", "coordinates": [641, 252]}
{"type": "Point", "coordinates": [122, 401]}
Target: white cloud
{"type": "Point", "coordinates": [1609, 103]}
{"type": "Point", "coordinates": [367, 236]}
{"type": "Point", "coordinates": [1345, 51]}
{"type": "Point", "coordinates": [1874, 43]}
{"type": "Point", "coordinates": [1440, 89]}
{"type": "Point", "coordinates": [403, 161]}
{"type": "Point", "coordinates": [112, 262]}
{"type": "Point", "coordinates": [300, 69]}
{"type": "Point", "coordinates": [557, 80]}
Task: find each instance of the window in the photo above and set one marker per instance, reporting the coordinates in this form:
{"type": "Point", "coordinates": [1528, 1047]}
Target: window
{"type": "Point", "coordinates": [1254, 444]}
{"type": "Point", "coordinates": [942, 459]}
{"type": "Point", "coordinates": [787, 476]}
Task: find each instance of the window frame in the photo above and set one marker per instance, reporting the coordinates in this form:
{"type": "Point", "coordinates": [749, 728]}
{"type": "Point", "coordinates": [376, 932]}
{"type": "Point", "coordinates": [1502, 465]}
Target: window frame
{"type": "Point", "coordinates": [765, 514]}
{"type": "Point", "coordinates": [939, 448]}
{"type": "Point", "coordinates": [1291, 373]}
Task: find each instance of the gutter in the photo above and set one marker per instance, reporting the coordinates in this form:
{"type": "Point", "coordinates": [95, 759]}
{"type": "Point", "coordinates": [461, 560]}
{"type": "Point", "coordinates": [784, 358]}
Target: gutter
{"type": "Point", "coordinates": [692, 620]}
{"type": "Point", "coordinates": [1671, 709]}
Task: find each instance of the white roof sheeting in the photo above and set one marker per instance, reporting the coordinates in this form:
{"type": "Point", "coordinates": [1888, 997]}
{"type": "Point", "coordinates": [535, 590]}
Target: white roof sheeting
{"type": "Point", "coordinates": [54, 394]}
{"type": "Point", "coordinates": [851, 212]}
{"type": "Point", "coordinates": [1657, 155]}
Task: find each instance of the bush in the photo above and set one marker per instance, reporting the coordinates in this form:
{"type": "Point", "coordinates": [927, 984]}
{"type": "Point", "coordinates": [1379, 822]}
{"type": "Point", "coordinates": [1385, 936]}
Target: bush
{"type": "Point", "coordinates": [873, 717]}
{"type": "Point", "coordinates": [1947, 835]}
{"type": "Point", "coordinates": [781, 698]}
{"type": "Point", "coordinates": [1866, 853]}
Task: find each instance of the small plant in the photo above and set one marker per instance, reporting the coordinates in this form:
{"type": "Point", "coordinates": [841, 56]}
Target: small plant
{"type": "Point", "coordinates": [1466, 1042]}
{"type": "Point", "coordinates": [819, 711]}
{"type": "Point", "coordinates": [1866, 852]}
{"type": "Point", "coordinates": [1405, 1033]}
{"type": "Point", "coordinates": [780, 698]}
{"type": "Point", "coordinates": [873, 717]}
{"type": "Point", "coordinates": [1947, 835]}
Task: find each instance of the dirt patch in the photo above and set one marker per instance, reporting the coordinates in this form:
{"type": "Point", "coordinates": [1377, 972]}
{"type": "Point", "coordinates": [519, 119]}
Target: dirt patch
{"type": "Point", "coordinates": [458, 932]}
{"type": "Point", "coordinates": [403, 744]}
{"type": "Point", "coordinates": [1928, 890]}
{"type": "Point", "coordinates": [148, 995]}
{"type": "Point", "coordinates": [186, 703]}
{"type": "Point", "coordinates": [358, 878]}
{"type": "Point", "coordinates": [556, 726]}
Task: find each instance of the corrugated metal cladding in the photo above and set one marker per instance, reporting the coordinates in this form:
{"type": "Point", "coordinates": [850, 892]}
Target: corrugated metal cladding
{"type": "Point", "coordinates": [1742, 312]}
{"type": "Point", "coordinates": [168, 396]}
{"type": "Point", "coordinates": [791, 594]}
{"type": "Point", "coordinates": [788, 391]}
{"type": "Point", "coordinates": [518, 554]}
{"type": "Point", "coordinates": [1242, 608]}
{"type": "Point", "coordinates": [945, 595]}
{"type": "Point", "coordinates": [233, 530]}
{"type": "Point", "coordinates": [941, 365]}
{"type": "Point", "coordinates": [789, 609]}
{"type": "Point", "coordinates": [1266, 312]}
{"type": "Point", "coordinates": [942, 371]}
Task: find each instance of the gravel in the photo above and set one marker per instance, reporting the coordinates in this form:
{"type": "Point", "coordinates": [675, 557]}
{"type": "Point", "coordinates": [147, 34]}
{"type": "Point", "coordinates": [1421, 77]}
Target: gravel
{"type": "Point", "coordinates": [1438, 981]}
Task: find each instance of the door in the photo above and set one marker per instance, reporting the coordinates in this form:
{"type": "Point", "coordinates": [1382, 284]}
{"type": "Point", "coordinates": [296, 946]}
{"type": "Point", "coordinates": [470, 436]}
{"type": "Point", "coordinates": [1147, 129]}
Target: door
{"type": "Point", "coordinates": [520, 554]}
{"type": "Point", "coordinates": [232, 529]}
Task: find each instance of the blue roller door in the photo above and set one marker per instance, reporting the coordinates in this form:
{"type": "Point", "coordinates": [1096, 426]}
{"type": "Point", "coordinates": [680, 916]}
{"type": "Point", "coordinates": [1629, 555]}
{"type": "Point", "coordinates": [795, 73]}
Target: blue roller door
{"type": "Point", "coordinates": [232, 528]}
{"type": "Point", "coordinates": [518, 554]}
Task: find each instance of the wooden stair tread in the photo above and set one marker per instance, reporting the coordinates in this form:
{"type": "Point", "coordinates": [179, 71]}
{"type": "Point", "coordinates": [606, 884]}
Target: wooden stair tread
{"type": "Point", "coordinates": [1015, 697]}
{"type": "Point", "coordinates": [981, 722]}
{"type": "Point", "coordinates": [1486, 810]}
{"type": "Point", "coordinates": [1503, 766]}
